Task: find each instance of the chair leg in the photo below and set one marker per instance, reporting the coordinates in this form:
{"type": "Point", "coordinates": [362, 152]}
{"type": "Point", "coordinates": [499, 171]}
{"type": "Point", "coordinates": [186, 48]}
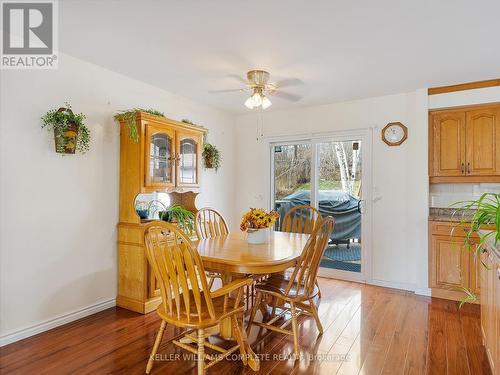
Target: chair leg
{"type": "Point", "coordinates": [295, 331]}
{"type": "Point", "coordinates": [239, 338]}
{"type": "Point", "coordinates": [159, 336]}
{"type": "Point", "coordinates": [319, 290]}
{"type": "Point", "coordinates": [201, 352]}
{"type": "Point", "coordinates": [273, 311]}
{"type": "Point", "coordinates": [254, 310]}
{"type": "Point", "coordinates": [314, 311]}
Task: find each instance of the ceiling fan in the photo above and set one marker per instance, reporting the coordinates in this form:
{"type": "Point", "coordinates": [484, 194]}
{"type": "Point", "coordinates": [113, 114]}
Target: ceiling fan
{"type": "Point", "coordinates": [257, 83]}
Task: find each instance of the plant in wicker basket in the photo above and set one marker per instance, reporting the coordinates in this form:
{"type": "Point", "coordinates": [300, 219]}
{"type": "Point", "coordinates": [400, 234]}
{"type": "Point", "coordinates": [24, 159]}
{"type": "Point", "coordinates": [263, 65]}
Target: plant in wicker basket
{"type": "Point", "coordinates": [70, 133]}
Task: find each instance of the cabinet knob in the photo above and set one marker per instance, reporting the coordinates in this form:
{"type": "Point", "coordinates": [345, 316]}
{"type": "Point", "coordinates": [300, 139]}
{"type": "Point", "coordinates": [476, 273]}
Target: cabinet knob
{"type": "Point", "coordinates": [468, 167]}
{"type": "Point", "coordinates": [463, 168]}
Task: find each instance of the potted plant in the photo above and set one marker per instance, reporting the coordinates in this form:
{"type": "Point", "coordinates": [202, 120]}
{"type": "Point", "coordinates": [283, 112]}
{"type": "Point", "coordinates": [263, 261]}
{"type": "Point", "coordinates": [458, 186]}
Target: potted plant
{"type": "Point", "coordinates": [129, 117]}
{"type": "Point", "coordinates": [257, 223]}
{"type": "Point", "coordinates": [180, 215]}
{"type": "Point", "coordinates": [486, 214]}
{"type": "Point", "coordinates": [211, 156]}
{"type": "Point", "coordinates": [70, 133]}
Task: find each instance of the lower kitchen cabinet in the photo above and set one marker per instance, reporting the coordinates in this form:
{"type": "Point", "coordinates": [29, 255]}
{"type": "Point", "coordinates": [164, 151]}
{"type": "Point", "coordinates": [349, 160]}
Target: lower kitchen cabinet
{"type": "Point", "coordinates": [490, 306]}
{"type": "Point", "coordinates": [453, 267]}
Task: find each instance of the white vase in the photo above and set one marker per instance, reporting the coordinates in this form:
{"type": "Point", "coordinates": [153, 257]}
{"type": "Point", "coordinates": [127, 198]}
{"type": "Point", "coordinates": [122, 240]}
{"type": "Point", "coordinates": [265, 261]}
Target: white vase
{"type": "Point", "coordinates": [258, 236]}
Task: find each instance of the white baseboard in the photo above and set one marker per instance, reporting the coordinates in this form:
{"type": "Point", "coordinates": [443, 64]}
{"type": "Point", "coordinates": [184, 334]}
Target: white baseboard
{"type": "Point", "coordinates": [392, 284]}
{"type": "Point", "coordinates": [55, 322]}
{"type": "Point", "coordinates": [382, 283]}
{"type": "Point", "coordinates": [423, 291]}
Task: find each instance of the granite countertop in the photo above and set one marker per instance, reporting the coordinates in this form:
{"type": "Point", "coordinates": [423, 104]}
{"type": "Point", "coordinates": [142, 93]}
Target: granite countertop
{"type": "Point", "coordinates": [450, 214]}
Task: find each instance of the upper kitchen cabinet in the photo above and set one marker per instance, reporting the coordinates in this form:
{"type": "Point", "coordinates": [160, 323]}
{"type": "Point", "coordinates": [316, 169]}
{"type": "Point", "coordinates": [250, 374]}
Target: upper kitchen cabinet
{"type": "Point", "coordinates": [482, 132]}
{"type": "Point", "coordinates": [447, 143]}
{"type": "Point", "coordinates": [464, 145]}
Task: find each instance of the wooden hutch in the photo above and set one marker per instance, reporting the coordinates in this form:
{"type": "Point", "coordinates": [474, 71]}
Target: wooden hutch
{"type": "Point", "coordinates": [166, 158]}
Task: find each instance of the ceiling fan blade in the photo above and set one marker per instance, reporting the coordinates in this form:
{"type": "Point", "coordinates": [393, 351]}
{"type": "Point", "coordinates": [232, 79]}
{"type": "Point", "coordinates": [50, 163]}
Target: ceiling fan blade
{"type": "Point", "coordinates": [286, 95]}
{"type": "Point", "coordinates": [224, 91]}
{"type": "Point", "coordinates": [287, 82]}
{"type": "Point", "coordinates": [238, 78]}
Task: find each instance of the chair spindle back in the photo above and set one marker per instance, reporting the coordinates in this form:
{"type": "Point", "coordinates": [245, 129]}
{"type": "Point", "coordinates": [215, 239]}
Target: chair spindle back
{"type": "Point", "coordinates": [179, 272]}
{"type": "Point", "coordinates": [209, 223]}
{"type": "Point", "coordinates": [300, 219]}
{"type": "Point", "coordinates": [306, 270]}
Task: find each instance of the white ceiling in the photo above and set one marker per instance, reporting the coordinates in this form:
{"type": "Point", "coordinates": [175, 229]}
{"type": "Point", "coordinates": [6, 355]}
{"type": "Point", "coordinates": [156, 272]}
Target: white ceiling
{"type": "Point", "coordinates": [340, 49]}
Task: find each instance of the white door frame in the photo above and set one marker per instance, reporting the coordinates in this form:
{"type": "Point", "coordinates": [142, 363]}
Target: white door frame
{"type": "Point", "coordinates": [366, 137]}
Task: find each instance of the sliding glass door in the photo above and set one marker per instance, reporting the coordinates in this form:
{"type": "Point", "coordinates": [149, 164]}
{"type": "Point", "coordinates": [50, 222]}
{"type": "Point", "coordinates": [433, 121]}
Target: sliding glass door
{"type": "Point", "coordinates": [326, 173]}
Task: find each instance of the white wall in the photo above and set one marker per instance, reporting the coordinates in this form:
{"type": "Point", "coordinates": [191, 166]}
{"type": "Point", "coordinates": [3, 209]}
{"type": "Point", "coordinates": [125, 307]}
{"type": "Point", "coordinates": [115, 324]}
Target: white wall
{"type": "Point", "coordinates": [59, 213]}
{"type": "Point", "coordinates": [399, 238]}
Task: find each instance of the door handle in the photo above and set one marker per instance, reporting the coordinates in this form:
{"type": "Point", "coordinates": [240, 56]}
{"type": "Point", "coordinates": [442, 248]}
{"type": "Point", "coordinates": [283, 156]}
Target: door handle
{"type": "Point", "coordinates": [468, 167]}
{"type": "Point", "coordinates": [361, 206]}
{"type": "Point", "coordinates": [463, 168]}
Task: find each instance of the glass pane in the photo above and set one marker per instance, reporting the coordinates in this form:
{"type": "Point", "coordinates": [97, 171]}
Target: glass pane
{"type": "Point", "coordinates": [339, 169]}
{"type": "Point", "coordinates": [159, 158]}
{"type": "Point", "coordinates": [292, 177]}
{"type": "Point", "coordinates": [187, 162]}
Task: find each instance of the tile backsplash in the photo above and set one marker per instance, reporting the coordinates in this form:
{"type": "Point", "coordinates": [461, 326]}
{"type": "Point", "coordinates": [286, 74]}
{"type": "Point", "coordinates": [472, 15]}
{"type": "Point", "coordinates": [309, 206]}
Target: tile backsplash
{"type": "Point", "coordinates": [444, 195]}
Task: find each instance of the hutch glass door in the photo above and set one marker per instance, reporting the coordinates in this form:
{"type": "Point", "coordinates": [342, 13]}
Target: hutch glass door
{"type": "Point", "coordinates": [159, 154]}
{"type": "Point", "coordinates": [188, 159]}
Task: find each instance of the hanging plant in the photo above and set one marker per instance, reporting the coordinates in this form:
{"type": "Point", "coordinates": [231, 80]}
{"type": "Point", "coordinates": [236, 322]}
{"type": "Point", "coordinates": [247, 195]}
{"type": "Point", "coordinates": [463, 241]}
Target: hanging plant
{"type": "Point", "coordinates": [129, 117]}
{"type": "Point", "coordinates": [211, 156]}
{"type": "Point", "coordinates": [70, 133]}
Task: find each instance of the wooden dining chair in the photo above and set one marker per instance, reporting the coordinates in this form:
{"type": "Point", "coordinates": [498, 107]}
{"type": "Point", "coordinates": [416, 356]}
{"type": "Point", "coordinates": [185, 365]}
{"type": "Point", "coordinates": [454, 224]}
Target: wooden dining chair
{"type": "Point", "coordinates": [187, 302]}
{"type": "Point", "coordinates": [209, 223]}
{"type": "Point", "coordinates": [301, 219]}
{"type": "Point", "coordinates": [299, 289]}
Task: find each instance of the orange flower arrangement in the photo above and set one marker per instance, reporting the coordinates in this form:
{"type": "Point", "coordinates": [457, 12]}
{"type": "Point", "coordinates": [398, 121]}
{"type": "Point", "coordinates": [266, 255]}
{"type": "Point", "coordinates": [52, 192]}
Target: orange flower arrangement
{"type": "Point", "coordinates": [257, 218]}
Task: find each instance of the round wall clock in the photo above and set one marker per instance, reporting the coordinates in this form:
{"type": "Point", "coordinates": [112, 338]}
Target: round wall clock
{"type": "Point", "coordinates": [394, 133]}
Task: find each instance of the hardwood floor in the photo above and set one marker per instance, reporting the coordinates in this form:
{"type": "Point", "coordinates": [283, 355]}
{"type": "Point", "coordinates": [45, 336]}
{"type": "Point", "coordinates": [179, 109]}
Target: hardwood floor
{"type": "Point", "coordinates": [368, 330]}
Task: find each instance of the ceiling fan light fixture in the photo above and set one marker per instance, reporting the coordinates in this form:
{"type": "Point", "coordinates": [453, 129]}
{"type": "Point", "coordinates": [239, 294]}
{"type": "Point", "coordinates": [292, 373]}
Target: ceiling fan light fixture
{"type": "Point", "coordinates": [256, 99]}
{"type": "Point", "coordinates": [266, 103]}
{"type": "Point", "coordinates": [249, 103]}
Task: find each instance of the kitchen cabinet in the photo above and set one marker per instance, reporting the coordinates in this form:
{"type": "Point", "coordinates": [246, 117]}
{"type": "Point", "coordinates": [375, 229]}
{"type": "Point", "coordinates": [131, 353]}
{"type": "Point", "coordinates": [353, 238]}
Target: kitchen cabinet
{"type": "Point", "coordinates": [464, 145]}
{"type": "Point", "coordinates": [453, 267]}
{"type": "Point", "coordinates": [490, 307]}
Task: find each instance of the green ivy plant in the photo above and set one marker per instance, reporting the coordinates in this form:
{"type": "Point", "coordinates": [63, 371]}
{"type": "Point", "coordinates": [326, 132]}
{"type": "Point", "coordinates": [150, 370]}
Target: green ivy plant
{"type": "Point", "coordinates": [211, 156]}
{"type": "Point", "coordinates": [129, 117]}
{"type": "Point", "coordinates": [62, 121]}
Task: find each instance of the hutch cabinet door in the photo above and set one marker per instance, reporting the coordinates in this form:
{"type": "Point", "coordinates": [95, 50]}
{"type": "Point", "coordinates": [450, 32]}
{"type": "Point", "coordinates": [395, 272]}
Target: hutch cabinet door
{"type": "Point", "coordinates": [159, 158]}
{"type": "Point", "coordinates": [450, 260]}
{"type": "Point", "coordinates": [448, 143]}
{"type": "Point", "coordinates": [188, 158]}
{"type": "Point", "coordinates": [483, 137]}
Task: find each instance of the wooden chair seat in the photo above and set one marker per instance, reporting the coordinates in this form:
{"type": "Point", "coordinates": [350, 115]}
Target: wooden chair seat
{"type": "Point", "coordinates": [220, 311]}
{"type": "Point", "coordinates": [278, 284]}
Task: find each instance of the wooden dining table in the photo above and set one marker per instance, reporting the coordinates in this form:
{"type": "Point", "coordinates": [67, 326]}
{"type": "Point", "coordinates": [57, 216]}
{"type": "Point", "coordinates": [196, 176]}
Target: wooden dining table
{"type": "Point", "coordinates": [232, 256]}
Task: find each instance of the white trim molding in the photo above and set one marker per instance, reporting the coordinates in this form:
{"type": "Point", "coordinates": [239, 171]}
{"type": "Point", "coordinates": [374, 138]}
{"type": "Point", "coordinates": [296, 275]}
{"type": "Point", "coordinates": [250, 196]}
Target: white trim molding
{"type": "Point", "coordinates": [55, 322]}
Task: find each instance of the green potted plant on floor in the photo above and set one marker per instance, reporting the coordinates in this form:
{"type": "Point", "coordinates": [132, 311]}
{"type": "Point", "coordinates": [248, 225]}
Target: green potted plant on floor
{"type": "Point", "coordinates": [70, 133]}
